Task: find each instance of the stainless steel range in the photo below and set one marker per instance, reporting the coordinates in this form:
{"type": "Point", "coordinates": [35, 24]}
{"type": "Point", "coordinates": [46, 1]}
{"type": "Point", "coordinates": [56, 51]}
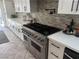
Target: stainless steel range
{"type": "Point", "coordinates": [35, 36]}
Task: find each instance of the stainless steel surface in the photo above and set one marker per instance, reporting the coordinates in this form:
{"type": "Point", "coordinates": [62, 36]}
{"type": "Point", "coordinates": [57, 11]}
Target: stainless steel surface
{"type": "Point", "coordinates": [37, 38]}
{"type": "Point", "coordinates": [36, 43]}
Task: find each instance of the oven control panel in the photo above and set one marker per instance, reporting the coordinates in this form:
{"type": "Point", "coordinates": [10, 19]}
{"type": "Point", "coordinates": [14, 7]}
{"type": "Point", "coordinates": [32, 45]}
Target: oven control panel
{"type": "Point", "coordinates": [35, 36]}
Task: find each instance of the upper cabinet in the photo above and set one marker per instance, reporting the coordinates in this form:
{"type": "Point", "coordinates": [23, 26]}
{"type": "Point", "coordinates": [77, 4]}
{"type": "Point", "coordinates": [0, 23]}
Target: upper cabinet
{"type": "Point", "coordinates": [9, 7]}
{"type": "Point", "coordinates": [27, 6]}
{"type": "Point", "coordinates": [68, 7]}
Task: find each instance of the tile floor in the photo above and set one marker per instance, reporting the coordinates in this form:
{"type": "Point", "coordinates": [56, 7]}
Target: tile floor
{"type": "Point", "coordinates": [13, 49]}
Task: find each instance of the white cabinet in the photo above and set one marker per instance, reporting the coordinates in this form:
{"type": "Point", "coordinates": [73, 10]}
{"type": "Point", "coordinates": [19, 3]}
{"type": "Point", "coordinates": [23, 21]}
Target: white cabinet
{"type": "Point", "coordinates": [16, 28]}
{"type": "Point", "coordinates": [68, 7]}
{"type": "Point", "coordinates": [18, 5]}
{"type": "Point", "coordinates": [56, 50]}
{"type": "Point", "coordinates": [25, 5]}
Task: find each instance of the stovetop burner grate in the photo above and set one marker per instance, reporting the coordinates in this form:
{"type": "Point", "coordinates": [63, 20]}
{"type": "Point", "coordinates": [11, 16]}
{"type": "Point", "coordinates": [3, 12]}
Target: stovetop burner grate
{"type": "Point", "coordinates": [43, 29]}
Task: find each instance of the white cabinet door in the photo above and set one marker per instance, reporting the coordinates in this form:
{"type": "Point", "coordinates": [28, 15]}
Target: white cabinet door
{"type": "Point", "coordinates": [64, 6]}
{"type": "Point", "coordinates": [61, 6]}
{"type": "Point", "coordinates": [53, 53]}
{"type": "Point", "coordinates": [77, 8]}
{"type": "Point", "coordinates": [74, 7]}
{"type": "Point", "coordinates": [18, 5]}
{"type": "Point", "coordinates": [25, 5]}
{"type": "Point", "coordinates": [68, 7]}
{"type": "Point", "coordinates": [22, 5]}
{"type": "Point", "coordinates": [17, 8]}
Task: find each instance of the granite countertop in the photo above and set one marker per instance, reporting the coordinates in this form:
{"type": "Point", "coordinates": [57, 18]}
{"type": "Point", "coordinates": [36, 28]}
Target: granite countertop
{"type": "Point", "coordinates": [69, 41]}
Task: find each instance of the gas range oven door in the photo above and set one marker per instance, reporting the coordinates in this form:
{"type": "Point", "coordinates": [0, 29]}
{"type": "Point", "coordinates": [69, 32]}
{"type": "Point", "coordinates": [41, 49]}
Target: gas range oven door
{"type": "Point", "coordinates": [26, 41]}
{"type": "Point", "coordinates": [37, 50]}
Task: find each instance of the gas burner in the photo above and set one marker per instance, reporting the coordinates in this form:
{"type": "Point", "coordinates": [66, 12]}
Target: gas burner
{"type": "Point", "coordinates": [43, 29]}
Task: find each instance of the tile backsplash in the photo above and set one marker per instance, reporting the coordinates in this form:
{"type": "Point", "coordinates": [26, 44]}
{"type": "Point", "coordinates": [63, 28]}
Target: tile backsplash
{"type": "Point", "coordinates": [55, 20]}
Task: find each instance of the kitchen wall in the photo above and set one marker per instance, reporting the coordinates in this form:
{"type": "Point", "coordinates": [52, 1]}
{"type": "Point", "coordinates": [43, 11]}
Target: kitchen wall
{"type": "Point", "coordinates": [43, 16]}
{"type": "Point", "coordinates": [56, 20]}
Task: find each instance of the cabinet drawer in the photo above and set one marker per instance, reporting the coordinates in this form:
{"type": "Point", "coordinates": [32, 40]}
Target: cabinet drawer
{"type": "Point", "coordinates": [55, 44]}
{"type": "Point", "coordinates": [52, 56]}
{"type": "Point", "coordinates": [56, 49]}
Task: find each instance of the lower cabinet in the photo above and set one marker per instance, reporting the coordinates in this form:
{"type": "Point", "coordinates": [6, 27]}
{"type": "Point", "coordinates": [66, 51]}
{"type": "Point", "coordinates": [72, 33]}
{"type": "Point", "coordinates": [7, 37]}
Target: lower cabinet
{"type": "Point", "coordinates": [52, 56]}
{"type": "Point", "coordinates": [16, 28]}
{"type": "Point", "coordinates": [56, 50]}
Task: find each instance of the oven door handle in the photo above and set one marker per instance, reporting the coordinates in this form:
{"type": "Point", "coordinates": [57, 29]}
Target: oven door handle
{"type": "Point", "coordinates": [68, 56]}
{"type": "Point", "coordinates": [34, 41]}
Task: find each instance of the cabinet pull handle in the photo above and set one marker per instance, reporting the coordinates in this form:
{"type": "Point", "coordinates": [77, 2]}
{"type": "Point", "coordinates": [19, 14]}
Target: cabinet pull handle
{"type": "Point", "coordinates": [77, 6]}
{"type": "Point", "coordinates": [25, 8]}
{"type": "Point", "coordinates": [68, 56]}
{"type": "Point", "coordinates": [72, 5]}
{"type": "Point", "coordinates": [54, 54]}
{"type": "Point", "coordinates": [55, 45]}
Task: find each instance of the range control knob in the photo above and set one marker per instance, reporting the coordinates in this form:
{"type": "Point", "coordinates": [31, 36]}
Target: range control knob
{"type": "Point", "coordinates": [39, 38]}
{"type": "Point", "coordinates": [42, 40]}
{"type": "Point", "coordinates": [35, 36]}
